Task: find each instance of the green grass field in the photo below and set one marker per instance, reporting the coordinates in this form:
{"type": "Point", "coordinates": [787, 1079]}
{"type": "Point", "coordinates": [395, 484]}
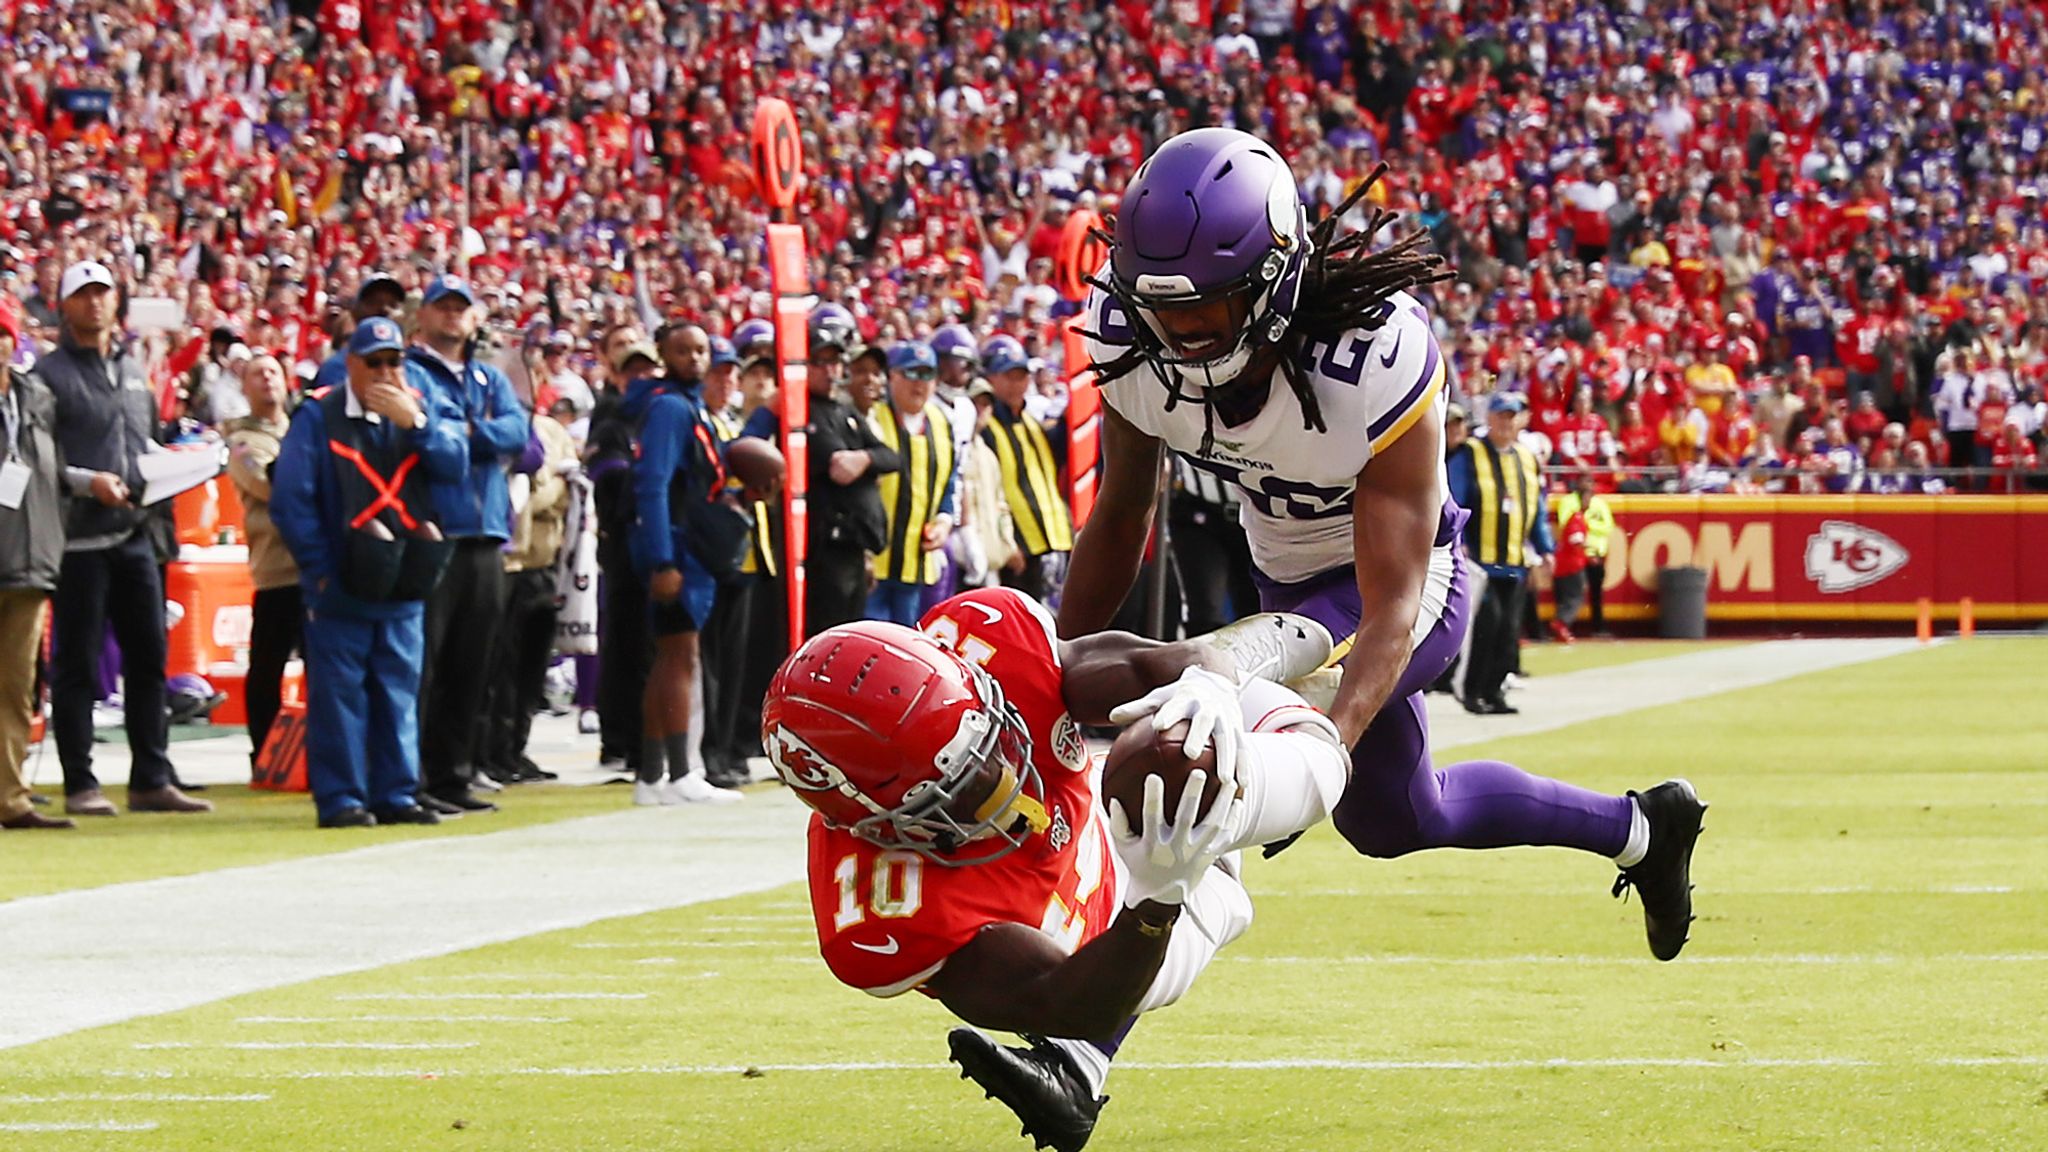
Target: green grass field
{"type": "Point", "coordinates": [1870, 971]}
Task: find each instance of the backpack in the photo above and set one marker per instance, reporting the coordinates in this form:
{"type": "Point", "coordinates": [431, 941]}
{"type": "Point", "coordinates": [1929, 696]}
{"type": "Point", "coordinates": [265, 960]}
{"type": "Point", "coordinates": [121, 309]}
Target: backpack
{"type": "Point", "coordinates": [717, 529]}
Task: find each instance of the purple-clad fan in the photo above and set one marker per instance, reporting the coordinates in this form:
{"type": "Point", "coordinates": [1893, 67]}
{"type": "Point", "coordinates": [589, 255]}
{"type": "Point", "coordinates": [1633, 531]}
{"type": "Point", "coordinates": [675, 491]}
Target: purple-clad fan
{"type": "Point", "coordinates": [753, 338]}
{"type": "Point", "coordinates": [1293, 364]}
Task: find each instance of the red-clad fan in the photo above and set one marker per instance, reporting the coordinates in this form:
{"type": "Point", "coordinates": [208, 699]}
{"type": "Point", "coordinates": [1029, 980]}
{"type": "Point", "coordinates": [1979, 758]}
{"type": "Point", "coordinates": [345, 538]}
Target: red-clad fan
{"type": "Point", "coordinates": [1636, 438]}
{"type": "Point", "coordinates": [1731, 432]}
{"type": "Point", "coordinates": [1582, 438]}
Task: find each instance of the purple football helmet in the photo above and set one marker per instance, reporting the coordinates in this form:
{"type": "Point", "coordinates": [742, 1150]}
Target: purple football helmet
{"type": "Point", "coordinates": [832, 327]}
{"type": "Point", "coordinates": [956, 341]}
{"type": "Point", "coordinates": [1213, 213]}
{"type": "Point", "coordinates": [751, 333]}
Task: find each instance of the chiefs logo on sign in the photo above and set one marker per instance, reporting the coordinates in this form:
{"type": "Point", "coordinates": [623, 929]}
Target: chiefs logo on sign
{"type": "Point", "coordinates": [1843, 557]}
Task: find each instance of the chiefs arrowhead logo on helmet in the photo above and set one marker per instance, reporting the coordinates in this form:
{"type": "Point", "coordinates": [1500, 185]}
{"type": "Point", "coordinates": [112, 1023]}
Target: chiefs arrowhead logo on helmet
{"type": "Point", "coordinates": [1843, 557]}
{"type": "Point", "coordinates": [799, 765]}
{"type": "Point", "coordinates": [897, 740]}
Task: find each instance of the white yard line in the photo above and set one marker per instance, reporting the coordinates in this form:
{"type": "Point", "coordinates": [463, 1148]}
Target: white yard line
{"type": "Point", "coordinates": [138, 1098]}
{"type": "Point", "coordinates": [83, 959]}
{"type": "Point", "coordinates": [438, 996]}
{"type": "Point", "coordinates": [81, 1126]}
{"type": "Point", "coordinates": [485, 1019]}
{"type": "Point", "coordinates": [297, 1045]}
{"type": "Point", "coordinates": [1736, 1064]}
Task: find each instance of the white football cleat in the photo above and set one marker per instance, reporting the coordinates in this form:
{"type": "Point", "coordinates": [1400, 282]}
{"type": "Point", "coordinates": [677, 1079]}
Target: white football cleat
{"type": "Point", "coordinates": [647, 795]}
{"type": "Point", "coordinates": [695, 789]}
{"type": "Point", "coordinates": [1279, 646]}
{"type": "Point", "coordinates": [1319, 688]}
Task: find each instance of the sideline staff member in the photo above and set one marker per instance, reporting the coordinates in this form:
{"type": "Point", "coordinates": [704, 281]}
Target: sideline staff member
{"type": "Point", "coordinates": [32, 502]}
{"type": "Point", "coordinates": [351, 497]}
{"type": "Point", "coordinates": [1500, 482]}
{"type": "Point", "coordinates": [106, 423]}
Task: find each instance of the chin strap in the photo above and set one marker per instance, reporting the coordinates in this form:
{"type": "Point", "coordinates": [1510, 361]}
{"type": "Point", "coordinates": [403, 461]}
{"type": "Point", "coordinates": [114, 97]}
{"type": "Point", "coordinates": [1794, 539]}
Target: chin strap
{"type": "Point", "coordinates": [1008, 796]}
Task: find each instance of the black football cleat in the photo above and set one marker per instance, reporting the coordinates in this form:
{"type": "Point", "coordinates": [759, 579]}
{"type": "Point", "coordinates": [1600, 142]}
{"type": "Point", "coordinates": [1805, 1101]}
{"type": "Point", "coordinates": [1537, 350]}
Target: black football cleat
{"type": "Point", "coordinates": [1038, 1083]}
{"type": "Point", "coordinates": [1663, 879]}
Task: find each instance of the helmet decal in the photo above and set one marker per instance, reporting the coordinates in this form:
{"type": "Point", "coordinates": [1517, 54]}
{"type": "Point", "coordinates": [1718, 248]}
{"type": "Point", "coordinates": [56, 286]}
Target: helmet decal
{"type": "Point", "coordinates": [799, 765]}
{"type": "Point", "coordinates": [890, 736]}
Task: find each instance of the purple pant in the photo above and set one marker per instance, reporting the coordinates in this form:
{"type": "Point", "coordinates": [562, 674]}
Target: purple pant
{"type": "Point", "coordinates": [1396, 801]}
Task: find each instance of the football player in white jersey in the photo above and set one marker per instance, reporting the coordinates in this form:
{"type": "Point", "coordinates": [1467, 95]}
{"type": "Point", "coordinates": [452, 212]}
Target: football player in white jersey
{"type": "Point", "coordinates": [1293, 364]}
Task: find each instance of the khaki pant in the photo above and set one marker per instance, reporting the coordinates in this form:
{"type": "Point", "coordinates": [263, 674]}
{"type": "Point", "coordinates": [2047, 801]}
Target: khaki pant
{"type": "Point", "coordinates": [21, 637]}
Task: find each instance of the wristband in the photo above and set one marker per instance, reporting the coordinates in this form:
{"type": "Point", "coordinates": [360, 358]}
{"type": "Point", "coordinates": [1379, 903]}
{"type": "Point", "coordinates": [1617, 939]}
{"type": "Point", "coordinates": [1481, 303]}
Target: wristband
{"type": "Point", "coordinates": [1154, 929]}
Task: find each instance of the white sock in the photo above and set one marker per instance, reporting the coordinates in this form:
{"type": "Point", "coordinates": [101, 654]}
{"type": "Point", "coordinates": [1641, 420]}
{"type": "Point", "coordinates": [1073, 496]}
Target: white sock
{"type": "Point", "coordinates": [1092, 1062]}
{"type": "Point", "coordinates": [1638, 844]}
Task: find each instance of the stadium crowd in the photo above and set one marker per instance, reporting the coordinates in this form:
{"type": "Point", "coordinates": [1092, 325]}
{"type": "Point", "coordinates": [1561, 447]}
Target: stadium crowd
{"type": "Point", "coordinates": [1758, 247]}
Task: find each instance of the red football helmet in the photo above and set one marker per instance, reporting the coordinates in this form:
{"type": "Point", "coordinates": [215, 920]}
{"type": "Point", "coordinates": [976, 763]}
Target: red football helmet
{"type": "Point", "coordinates": [884, 732]}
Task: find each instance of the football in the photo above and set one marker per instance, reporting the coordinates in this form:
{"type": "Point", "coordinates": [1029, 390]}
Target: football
{"type": "Point", "coordinates": [1140, 751]}
{"type": "Point", "coordinates": [757, 464]}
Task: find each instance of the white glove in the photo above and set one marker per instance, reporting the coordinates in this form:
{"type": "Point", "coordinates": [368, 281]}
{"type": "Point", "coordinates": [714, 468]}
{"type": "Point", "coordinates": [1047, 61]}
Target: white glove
{"type": "Point", "coordinates": [1209, 703]}
{"type": "Point", "coordinates": [1163, 862]}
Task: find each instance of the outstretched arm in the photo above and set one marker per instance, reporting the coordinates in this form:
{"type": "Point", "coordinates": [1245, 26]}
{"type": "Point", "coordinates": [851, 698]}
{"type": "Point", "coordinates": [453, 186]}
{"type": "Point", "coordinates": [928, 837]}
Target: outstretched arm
{"type": "Point", "coordinates": [1394, 523]}
{"type": "Point", "coordinates": [1105, 561]}
{"type": "Point", "coordinates": [1111, 668]}
{"type": "Point", "coordinates": [1014, 978]}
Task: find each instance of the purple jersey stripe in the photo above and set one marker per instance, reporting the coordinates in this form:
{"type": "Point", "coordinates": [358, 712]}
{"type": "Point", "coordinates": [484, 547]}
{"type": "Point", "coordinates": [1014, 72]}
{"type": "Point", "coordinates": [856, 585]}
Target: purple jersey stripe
{"type": "Point", "coordinates": [1393, 415]}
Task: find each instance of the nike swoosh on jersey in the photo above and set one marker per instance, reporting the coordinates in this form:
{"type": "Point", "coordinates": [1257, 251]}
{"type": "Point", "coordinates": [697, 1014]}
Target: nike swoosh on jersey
{"type": "Point", "coordinates": [1393, 353]}
{"type": "Point", "coordinates": [994, 614]}
{"type": "Point", "coordinates": [888, 949]}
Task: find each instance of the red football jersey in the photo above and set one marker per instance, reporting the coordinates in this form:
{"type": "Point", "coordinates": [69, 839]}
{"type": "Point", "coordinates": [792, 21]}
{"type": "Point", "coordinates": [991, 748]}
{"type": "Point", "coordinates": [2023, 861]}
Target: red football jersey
{"type": "Point", "coordinates": [888, 918]}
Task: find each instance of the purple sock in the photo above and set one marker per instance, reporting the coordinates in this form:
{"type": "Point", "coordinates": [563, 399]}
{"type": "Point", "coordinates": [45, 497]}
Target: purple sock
{"type": "Point", "coordinates": [1397, 803]}
{"type": "Point", "coordinates": [1108, 1047]}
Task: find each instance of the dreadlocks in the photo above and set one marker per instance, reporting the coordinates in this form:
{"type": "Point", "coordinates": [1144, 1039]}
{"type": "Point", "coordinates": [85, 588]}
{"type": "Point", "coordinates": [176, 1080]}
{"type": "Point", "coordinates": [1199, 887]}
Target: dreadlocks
{"type": "Point", "coordinates": [1345, 286]}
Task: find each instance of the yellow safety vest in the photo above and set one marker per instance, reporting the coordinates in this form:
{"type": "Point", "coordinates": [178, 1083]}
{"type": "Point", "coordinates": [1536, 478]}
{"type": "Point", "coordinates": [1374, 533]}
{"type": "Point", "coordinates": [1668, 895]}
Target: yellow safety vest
{"type": "Point", "coordinates": [1506, 494]}
{"type": "Point", "coordinates": [1031, 484]}
{"type": "Point", "coordinates": [928, 468]}
{"type": "Point", "coordinates": [1599, 522]}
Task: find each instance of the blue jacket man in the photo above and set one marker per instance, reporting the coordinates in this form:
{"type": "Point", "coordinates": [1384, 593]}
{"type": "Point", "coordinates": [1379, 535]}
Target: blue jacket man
{"type": "Point", "coordinates": [676, 468]}
{"type": "Point", "coordinates": [498, 427]}
{"type": "Point", "coordinates": [671, 419]}
{"type": "Point", "coordinates": [351, 496]}
{"type": "Point", "coordinates": [475, 511]}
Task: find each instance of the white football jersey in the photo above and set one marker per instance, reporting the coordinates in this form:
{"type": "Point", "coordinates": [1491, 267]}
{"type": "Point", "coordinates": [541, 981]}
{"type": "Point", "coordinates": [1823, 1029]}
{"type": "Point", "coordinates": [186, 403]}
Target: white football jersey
{"type": "Point", "coordinates": [1297, 484]}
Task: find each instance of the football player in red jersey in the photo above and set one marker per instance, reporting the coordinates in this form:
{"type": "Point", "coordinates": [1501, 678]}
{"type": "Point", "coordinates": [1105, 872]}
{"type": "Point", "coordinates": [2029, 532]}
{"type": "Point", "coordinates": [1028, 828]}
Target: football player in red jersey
{"type": "Point", "coordinates": [960, 847]}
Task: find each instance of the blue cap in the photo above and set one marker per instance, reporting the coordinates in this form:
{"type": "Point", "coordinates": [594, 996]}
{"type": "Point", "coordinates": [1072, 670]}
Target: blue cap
{"type": "Point", "coordinates": [723, 352]}
{"type": "Point", "coordinates": [1506, 402]}
{"type": "Point", "coordinates": [377, 334]}
{"type": "Point", "coordinates": [449, 286]}
{"type": "Point", "coordinates": [910, 354]}
{"type": "Point", "coordinates": [1002, 354]}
